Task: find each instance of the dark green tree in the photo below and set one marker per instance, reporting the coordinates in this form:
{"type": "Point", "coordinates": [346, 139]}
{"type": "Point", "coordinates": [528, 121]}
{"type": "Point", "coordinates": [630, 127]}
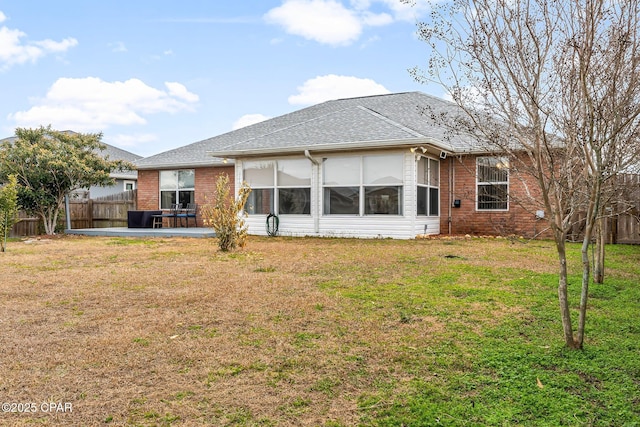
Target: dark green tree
{"type": "Point", "coordinates": [50, 164]}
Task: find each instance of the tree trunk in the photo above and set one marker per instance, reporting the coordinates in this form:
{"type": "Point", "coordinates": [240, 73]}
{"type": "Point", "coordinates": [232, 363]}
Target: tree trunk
{"type": "Point", "coordinates": [586, 276]}
{"type": "Point", "coordinates": [598, 269]}
{"type": "Point", "coordinates": [563, 298]}
{"type": "Point", "coordinates": [48, 220]}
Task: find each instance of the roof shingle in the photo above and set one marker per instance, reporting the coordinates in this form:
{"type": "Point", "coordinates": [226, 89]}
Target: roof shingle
{"type": "Point", "coordinates": [353, 123]}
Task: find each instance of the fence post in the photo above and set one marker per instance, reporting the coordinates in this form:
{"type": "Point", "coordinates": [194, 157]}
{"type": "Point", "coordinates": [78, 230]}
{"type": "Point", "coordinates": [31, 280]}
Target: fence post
{"type": "Point", "coordinates": [90, 213]}
{"type": "Point", "coordinates": [67, 214]}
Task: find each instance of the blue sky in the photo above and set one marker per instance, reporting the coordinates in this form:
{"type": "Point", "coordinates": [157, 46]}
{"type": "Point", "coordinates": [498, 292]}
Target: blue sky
{"type": "Point", "coordinates": [153, 75]}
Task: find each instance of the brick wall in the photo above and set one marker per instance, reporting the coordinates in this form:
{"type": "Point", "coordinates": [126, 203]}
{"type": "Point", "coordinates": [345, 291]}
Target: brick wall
{"type": "Point", "coordinates": [519, 220]}
{"type": "Point", "coordinates": [205, 182]}
{"type": "Point", "coordinates": [148, 190]}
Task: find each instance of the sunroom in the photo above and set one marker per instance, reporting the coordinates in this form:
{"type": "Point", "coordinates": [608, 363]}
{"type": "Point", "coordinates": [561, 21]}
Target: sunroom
{"type": "Point", "coordinates": [391, 193]}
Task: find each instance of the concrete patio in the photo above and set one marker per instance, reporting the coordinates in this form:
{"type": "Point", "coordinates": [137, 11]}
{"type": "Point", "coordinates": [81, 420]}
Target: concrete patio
{"type": "Point", "coordinates": [199, 232]}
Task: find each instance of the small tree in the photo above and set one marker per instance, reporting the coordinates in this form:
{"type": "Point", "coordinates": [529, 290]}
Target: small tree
{"type": "Point", "coordinates": [226, 214]}
{"type": "Point", "coordinates": [8, 209]}
{"type": "Point", "coordinates": [49, 165]}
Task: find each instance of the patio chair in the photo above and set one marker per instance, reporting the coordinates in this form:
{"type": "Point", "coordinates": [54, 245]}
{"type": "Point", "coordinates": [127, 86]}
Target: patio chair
{"type": "Point", "coordinates": [173, 213]}
{"type": "Point", "coordinates": [191, 211]}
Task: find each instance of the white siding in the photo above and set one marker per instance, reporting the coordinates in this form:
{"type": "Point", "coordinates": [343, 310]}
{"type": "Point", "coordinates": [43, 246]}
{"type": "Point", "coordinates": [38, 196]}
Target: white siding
{"type": "Point", "coordinates": [406, 226]}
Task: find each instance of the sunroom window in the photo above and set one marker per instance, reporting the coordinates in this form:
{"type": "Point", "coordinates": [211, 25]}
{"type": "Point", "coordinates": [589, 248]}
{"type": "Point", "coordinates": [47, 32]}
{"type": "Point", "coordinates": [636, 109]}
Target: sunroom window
{"type": "Point", "coordinates": [428, 188]}
{"type": "Point", "coordinates": [177, 186]}
{"type": "Point", "coordinates": [261, 179]}
{"type": "Point", "coordinates": [294, 187]}
{"type": "Point", "coordinates": [366, 185]}
{"type": "Point", "coordinates": [492, 183]}
{"type": "Point", "coordinates": [285, 184]}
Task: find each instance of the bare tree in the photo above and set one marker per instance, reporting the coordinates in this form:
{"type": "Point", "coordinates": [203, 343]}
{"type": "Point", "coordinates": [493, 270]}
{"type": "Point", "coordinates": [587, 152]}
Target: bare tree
{"type": "Point", "coordinates": [553, 85]}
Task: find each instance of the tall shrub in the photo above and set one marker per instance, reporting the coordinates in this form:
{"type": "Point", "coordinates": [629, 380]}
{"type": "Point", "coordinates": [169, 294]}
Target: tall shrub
{"type": "Point", "coordinates": [226, 215]}
{"type": "Point", "coordinates": [8, 209]}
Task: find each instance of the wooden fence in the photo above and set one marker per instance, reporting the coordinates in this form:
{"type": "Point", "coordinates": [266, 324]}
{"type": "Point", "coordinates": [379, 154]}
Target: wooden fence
{"type": "Point", "coordinates": [625, 229]}
{"type": "Point", "coordinates": [108, 211]}
{"type": "Point", "coordinates": [28, 226]}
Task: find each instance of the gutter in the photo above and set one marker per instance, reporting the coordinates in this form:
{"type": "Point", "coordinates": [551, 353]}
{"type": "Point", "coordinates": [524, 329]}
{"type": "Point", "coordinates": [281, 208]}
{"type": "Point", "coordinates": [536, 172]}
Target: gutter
{"type": "Point", "coordinates": [176, 165]}
{"type": "Point", "coordinates": [342, 146]}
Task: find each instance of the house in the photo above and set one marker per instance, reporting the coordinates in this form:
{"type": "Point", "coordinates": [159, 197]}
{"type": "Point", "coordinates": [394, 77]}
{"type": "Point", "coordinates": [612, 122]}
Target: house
{"type": "Point", "coordinates": [124, 179]}
{"type": "Point", "coordinates": [371, 167]}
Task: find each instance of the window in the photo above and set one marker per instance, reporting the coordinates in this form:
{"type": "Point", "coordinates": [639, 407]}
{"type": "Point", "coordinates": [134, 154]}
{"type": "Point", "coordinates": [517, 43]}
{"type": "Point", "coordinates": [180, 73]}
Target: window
{"type": "Point", "coordinates": [294, 187]}
{"type": "Point", "coordinates": [129, 185]}
{"type": "Point", "coordinates": [177, 187]}
{"type": "Point", "coordinates": [492, 183]}
{"type": "Point", "coordinates": [428, 188]}
{"type": "Point", "coordinates": [366, 185]}
{"type": "Point", "coordinates": [342, 186]}
{"type": "Point", "coordinates": [283, 183]}
{"type": "Point", "coordinates": [260, 177]}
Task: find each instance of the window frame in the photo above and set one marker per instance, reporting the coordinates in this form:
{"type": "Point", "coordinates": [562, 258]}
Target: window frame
{"type": "Point", "coordinates": [276, 187]}
{"type": "Point", "coordinates": [493, 183]}
{"type": "Point", "coordinates": [177, 189]}
{"type": "Point", "coordinates": [255, 188]}
{"type": "Point", "coordinates": [428, 187]}
{"type": "Point", "coordinates": [364, 189]}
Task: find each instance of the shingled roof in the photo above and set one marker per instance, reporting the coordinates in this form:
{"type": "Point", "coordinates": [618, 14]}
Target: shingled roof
{"type": "Point", "coordinates": [344, 124]}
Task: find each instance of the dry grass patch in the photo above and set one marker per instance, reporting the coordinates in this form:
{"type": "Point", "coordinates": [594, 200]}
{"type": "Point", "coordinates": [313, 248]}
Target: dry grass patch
{"type": "Point", "coordinates": [287, 332]}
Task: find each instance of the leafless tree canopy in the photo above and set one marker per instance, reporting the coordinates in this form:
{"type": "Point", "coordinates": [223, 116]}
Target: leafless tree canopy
{"type": "Point", "coordinates": [555, 86]}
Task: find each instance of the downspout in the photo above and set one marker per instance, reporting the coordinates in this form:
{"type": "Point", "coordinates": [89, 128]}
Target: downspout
{"type": "Point", "coordinates": [451, 181]}
{"type": "Point", "coordinates": [307, 154]}
{"type": "Point", "coordinates": [316, 176]}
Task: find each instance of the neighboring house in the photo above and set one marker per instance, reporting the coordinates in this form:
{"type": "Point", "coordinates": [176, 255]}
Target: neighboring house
{"type": "Point", "coordinates": [373, 166]}
{"type": "Point", "coordinates": [124, 179]}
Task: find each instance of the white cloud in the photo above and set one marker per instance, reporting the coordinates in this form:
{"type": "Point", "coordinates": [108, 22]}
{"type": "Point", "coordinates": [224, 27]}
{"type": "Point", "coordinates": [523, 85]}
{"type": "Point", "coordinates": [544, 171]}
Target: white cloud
{"type": "Point", "coordinates": [330, 22]}
{"type": "Point", "coordinates": [329, 87]}
{"type": "Point", "coordinates": [180, 91]}
{"type": "Point", "coordinates": [249, 119]}
{"type": "Point", "coordinates": [13, 50]}
{"type": "Point", "coordinates": [89, 104]}
{"type": "Point", "coordinates": [325, 21]}
{"type": "Point", "coordinates": [468, 95]}
{"type": "Point", "coordinates": [404, 11]}
{"type": "Point", "coordinates": [376, 19]}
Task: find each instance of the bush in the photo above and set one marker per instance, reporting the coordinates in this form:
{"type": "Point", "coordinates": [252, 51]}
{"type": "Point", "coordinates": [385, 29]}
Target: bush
{"type": "Point", "coordinates": [226, 215]}
{"type": "Point", "coordinates": [8, 209]}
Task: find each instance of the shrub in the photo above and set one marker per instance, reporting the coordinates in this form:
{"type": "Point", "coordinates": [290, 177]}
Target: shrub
{"type": "Point", "coordinates": [8, 209]}
{"type": "Point", "coordinates": [226, 215]}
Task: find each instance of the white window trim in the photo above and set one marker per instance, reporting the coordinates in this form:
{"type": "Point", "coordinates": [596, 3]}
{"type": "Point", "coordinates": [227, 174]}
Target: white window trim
{"type": "Point", "coordinates": [177, 190]}
{"type": "Point", "coordinates": [478, 183]}
{"type": "Point", "coordinates": [361, 186]}
{"type": "Point", "coordinates": [124, 185]}
{"type": "Point", "coordinates": [428, 187]}
{"type": "Point", "coordinates": [275, 187]}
